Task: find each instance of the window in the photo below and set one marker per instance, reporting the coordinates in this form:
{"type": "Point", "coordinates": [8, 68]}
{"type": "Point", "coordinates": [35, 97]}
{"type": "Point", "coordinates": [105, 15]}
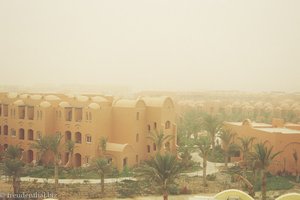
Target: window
{"type": "Point", "coordinates": [137, 138]}
{"type": "Point", "coordinates": [39, 135]}
{"type": "Point", "coordinates": [154, 147]}
{"type": "Point", "coordinates": [78, 114]}
{"type": "Point", "coordinates": [88, 139]}
{"type": "Point", "coordinates": [148, 148]}
{"type": "Point", "coordinates": [30, 112]}
{"type": "Point", "coordinates": [68, 114]}
{"type": "Point", "coordinates": [155, 125]}
{"type": "Point", "coordinates": [167, 125]}
{"type": "Point", "coordinates": [137, 116]}
{"type": "Point", "coordinates": [149, 127]}
{"type": "Point", "coordinates": [124, 162]}
{"type": "Point", "coordinates": [5, 110]}
{"type": "Point", "coordinates": [5, 130]}
{"type": "Point", "coordinates": [13, 132]}
{"type": "Point", "coordinates": [68, 136]}
{"type": "Point", "coordinates": [0, 130]}
{"type": "Point", "coordinates": [21, 110]}
{"type": "Point", "coordinates": [90, 116]}
{"type": "Point", "coordinates": [38, 114]}
{"type": "Point", "coordinates": [78, 137]}
{"type": "Point", "coordinates": [0, 110]}
{"type": "Point", "coordinates": [87, 160]}
{"type": "Point", "coordinates": [21, 134]}
{"type": "Point", "coordinates": [30, 134]}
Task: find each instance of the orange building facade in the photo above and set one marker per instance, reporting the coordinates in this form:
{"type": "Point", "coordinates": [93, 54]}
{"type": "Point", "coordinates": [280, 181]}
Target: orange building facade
{"type": "Point", "coordinates": [85, 119]}
{"type": "Point", "coordinates": [284, 137]}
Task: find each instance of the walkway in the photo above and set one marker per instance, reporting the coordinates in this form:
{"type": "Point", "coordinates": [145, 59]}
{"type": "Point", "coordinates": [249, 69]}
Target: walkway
{"type": "Point", "coordinates": [211, 169]}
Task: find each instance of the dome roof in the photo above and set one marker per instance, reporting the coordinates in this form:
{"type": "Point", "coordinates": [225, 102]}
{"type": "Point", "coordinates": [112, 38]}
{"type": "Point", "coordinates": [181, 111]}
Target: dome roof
{"type": "Point", "coordinates": [45, 104]}
{"type": "Point", "coordinates": [24, 96]}
{"type": "Point", "coordinates": [99, 99]}
{"type": "Point", "coordinates": [69, 95]}
{"type": "Point", "coordinates": [19, 102]}
{"type": "Point", "coordinates": [64, 104]}
{"type": "Point", "coordinates": [82, 98]}
{"type": "Point", "coordinates": [36, 97]}
{"type": "Point", "coordinates": [51, 98]}
{"type": "Point", "coordinates": [12, 95]}
{"type": "Point", "coordinates": [94, 106]}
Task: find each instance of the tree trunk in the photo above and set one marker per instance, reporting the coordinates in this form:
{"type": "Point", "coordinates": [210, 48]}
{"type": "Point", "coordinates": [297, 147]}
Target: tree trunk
{"type": "Point", "coordinates": [297, 173]}
{"type": "Point", "coordinates": [102, 184]}
{"type": "Point", "coordinates": [56, 172]}
{"type": "Point", "coordinates": [204, 172]}
{"type": "Point", "coordinates": [15, 185]}
{"type": "Point", "coordinates": [263, 185]}
{"type": "Point", "coordinates": [70, 160]}
{"type": "Point", "coordinates": [165, 195]}
{"type": "Point", "coordinates": [226, 159]}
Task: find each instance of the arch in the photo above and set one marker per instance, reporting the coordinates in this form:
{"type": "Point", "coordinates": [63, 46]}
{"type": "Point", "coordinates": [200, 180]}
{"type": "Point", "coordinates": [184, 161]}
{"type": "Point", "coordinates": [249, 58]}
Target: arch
{"type": "Point", "coordinates": [21, 134]}
{"type": "Point", "coordinates": [30, 135]}
{"type": "Point", "coordinates": [78, 138]}
{"type": "Point", "coordinates": [29, 156]}
{"type": "Point", "coordinates": [77, 160]}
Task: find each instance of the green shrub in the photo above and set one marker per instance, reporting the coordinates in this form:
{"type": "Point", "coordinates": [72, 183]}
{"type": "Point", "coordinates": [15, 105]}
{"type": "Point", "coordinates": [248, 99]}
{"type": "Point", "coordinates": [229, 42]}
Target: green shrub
{"type": "Point", "coordinates": [211, 177]}
{"type": "Point", "coordinates": [174, 190]}
{"type": "Point", "coordinates": [128, 188]}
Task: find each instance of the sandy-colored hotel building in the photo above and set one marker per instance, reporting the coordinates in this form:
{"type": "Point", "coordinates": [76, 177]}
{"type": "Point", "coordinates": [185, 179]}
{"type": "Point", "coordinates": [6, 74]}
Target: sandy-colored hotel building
{"type": "Point", "coordinates": [85, 119]}
{"type": "Point", "coordinates": [284, 137]}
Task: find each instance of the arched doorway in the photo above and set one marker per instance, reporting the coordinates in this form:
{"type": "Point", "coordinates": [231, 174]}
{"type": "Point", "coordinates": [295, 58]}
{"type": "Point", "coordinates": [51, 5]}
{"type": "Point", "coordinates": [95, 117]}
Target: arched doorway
{"type": "Point", "coordinates": [77, 160]}
{"type": "Point", "coordinates": [29, 156]}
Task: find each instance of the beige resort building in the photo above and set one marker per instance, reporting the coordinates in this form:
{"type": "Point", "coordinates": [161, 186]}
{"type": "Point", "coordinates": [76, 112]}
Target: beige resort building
{"type": "Point", "coordinates": [84, 119]}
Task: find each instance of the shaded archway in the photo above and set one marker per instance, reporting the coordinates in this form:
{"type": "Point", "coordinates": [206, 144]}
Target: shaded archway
{"type": "Point", "coordinates": [29, 156]}
{"type": "Point", "coordinates": [77, 160]}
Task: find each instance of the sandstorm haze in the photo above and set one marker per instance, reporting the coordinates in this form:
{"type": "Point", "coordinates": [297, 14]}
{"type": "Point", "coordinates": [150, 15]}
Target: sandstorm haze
{"type": "Point", "coordinates": [151, 45]}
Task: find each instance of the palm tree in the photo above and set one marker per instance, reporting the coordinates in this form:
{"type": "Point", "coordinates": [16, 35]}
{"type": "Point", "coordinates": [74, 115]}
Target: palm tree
{"type": "Point", "coordinates": [227, 137]}
{"type": "Point", "coordinates": [212, 125]}
{"type": "Point", "coordinates": [13, 166]}
{"type": "Point", "coordinates": [162, 170]}
{"type": "Point", "coordinates": [295, 156]}
{"type": "Point", "coordinates": [70, 146]}
{"type": "Point", "coordinates": [263, 157]}
{"type": "Point", "coordinates": [159, 138]}
{"type": "Point", "coordinates": [50, 143]}
{"type": "Point", "coordinates": [204, 146]}
{"type": "Point", "coordinates": [245, 146]}
{"type": "Point", "coordinates": [102, 167]}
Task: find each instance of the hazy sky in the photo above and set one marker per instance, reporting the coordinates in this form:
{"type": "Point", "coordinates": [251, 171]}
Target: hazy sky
{"type": "Point", "coordinates": [152, 44]}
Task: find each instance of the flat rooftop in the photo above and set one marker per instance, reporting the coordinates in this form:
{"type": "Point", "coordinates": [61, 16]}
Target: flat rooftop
{"type": "Point", "coordinates": [254, 124]}
{"type": "Point", "coordinates": [279, 130]}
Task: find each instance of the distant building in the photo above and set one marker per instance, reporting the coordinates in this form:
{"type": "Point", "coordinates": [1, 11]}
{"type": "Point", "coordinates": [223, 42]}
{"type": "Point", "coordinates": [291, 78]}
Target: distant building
{"type": "Point", "coordinates": [84, 119]}
{"type": "Point", "coordinates": [284, 137]}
